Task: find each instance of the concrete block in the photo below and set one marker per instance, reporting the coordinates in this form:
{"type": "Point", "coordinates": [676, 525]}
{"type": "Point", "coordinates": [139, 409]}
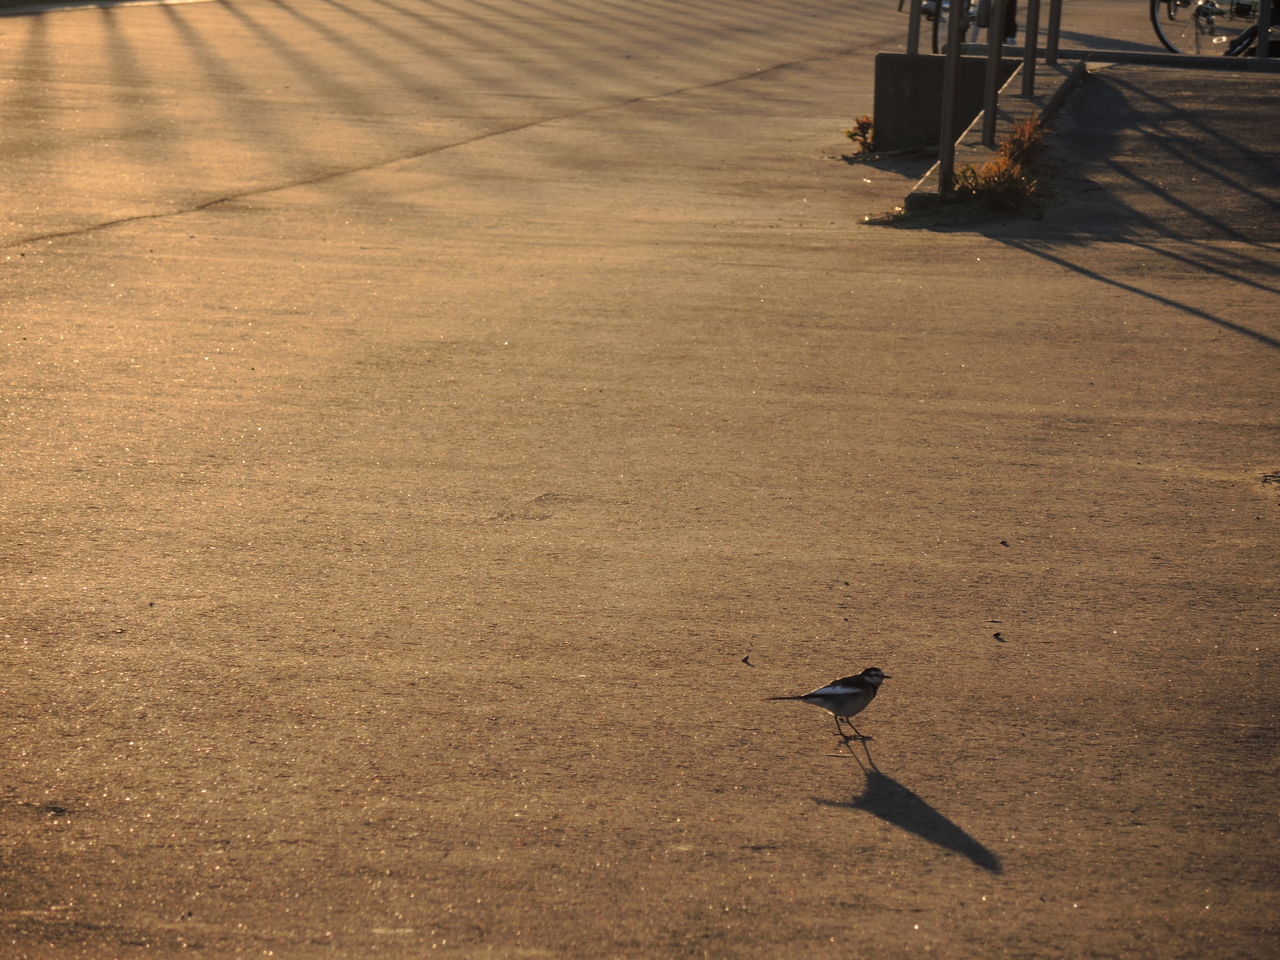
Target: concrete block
{"type": "Point", "coordinates": [908, 97]}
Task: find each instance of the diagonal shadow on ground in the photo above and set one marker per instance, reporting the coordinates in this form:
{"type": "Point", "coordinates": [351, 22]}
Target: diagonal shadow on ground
{"type": "Point", "coordinates": [886, 798]}
{"type": "Point", "coordinates": [1188, 309]}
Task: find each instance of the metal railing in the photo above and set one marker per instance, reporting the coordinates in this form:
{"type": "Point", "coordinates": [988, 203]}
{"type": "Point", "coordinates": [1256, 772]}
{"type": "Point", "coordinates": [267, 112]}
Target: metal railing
{"type": "Point", "coordinates": [995, 54]}
{"type": "Point", "coordinates": [991, 83]}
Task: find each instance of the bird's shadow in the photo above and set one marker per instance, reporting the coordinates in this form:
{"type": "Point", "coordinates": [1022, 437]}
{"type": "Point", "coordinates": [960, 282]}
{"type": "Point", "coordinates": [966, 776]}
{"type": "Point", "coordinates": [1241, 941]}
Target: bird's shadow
{"type": "Point", "coordinates": [886, 798]}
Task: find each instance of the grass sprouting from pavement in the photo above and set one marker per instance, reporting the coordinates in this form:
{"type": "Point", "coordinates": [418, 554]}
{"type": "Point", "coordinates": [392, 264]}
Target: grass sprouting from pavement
{"type": "Point", "coordinates": [1009, 180]}
{"type": "Point", "coordinates": [862, 133]}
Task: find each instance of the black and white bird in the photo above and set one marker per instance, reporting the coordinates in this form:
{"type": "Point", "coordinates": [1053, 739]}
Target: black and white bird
{"type": "Point", "coordinates": [846, 697]}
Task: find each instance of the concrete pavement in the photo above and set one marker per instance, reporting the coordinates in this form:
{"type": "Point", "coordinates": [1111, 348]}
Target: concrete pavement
{"type": "Point", "coordinates": [414, 413]}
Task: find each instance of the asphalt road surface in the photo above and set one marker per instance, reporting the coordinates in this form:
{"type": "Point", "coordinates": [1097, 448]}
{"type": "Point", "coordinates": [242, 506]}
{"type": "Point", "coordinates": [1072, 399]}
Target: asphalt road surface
{"type": "Point", "coordinates": [431, 429]}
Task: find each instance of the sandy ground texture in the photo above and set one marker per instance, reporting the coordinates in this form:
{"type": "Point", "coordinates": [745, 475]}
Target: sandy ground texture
{"type": "Point", "coordinates": [415, 412]}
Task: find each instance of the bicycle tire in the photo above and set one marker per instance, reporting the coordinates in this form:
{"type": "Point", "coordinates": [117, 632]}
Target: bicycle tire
{"type": "Point", "coordinates": [1202, 28]}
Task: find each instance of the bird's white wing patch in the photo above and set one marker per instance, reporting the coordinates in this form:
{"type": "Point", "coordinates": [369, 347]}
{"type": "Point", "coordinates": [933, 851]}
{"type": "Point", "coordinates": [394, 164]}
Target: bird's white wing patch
{"type": "Point", "coordinates": [841, 688]}
{"type": "Point", "coordinates": [829, 691]}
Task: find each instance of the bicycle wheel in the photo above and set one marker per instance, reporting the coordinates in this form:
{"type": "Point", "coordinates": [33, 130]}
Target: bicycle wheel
{"type": "Point", "coordinates": [1202, 28]}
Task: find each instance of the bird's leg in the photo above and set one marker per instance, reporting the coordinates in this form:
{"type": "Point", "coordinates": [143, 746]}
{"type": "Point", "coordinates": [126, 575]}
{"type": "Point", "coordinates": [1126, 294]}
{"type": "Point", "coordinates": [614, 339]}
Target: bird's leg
{"type": "Point", "coordinates": [840, 730]}
{"type": "Point", "coordinates": [858, 732]}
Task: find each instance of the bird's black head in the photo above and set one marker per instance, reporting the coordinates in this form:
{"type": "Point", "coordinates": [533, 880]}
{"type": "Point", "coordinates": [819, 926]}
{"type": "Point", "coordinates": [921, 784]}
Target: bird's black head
{"type": "Point", "coordinates": [874, 675]}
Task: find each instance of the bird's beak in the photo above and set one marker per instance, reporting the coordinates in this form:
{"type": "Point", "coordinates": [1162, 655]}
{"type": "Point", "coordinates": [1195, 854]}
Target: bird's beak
{"type": "Point", "coordinates": [888, 676]}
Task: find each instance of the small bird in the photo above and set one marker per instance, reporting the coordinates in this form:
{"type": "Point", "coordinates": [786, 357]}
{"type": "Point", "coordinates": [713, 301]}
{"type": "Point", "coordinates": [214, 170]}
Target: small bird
{"type": "Point", "coordinates": [846, 697]}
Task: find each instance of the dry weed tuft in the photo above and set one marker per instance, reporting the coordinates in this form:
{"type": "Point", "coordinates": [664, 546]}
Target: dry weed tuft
{"type": "Point", "coordinates": [1008, 181]}
{"type": "Point", "coordinates": [862, 133]}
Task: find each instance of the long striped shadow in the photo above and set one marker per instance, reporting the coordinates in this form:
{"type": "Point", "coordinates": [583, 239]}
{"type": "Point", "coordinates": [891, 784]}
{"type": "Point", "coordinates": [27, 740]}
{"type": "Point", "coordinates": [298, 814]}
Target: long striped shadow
{"type": "Point", "coordinates": [1184, 308]}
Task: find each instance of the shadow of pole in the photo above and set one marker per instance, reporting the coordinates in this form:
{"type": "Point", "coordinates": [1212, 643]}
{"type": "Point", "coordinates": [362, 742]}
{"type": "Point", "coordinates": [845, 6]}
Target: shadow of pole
{"type": "Point", "coordinates": [886, 798]}
{"type": "Point", "coordinates": [1184, 308]}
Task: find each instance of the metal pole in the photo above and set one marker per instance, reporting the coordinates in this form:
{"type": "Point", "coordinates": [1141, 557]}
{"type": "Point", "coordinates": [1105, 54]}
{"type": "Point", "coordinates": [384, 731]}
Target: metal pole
{"type": "Point", "coordinates": [913, 26]}
{"type": "Point", "coordinates": [995, 50]}
{"type": "Point", "coordinates": [1055, 27]}
{"type": "Point", "coordinates": [950, 74]}
{"type": "Point", "coordinates": [1029, 48]}
{"type": "Point", "coordinates": [1265, 15]}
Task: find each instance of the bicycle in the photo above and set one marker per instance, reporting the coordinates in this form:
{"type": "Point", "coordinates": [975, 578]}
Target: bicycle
{"type": "Point", "coordinates": [1209, 28]}
{"type": "Point", "coordinates": [938, 11]}
{"type": "Point", "coordinates": [973, 19]}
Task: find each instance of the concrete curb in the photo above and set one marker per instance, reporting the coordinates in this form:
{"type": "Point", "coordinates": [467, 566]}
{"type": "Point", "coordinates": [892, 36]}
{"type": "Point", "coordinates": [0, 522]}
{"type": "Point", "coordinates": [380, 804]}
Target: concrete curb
{"type": "Point", "coordinates": [1053, 83]}
{"type": "Point", "coordinates": [1246, 64]}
